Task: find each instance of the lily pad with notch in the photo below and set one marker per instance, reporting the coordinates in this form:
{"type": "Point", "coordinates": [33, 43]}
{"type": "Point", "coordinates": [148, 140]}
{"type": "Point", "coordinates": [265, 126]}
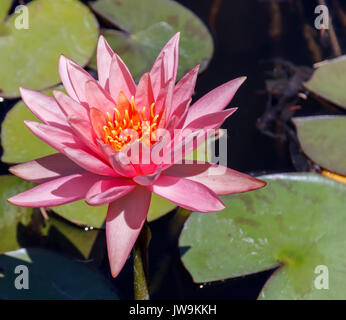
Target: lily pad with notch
{"type": "Point", "coordinates": [296, 223]}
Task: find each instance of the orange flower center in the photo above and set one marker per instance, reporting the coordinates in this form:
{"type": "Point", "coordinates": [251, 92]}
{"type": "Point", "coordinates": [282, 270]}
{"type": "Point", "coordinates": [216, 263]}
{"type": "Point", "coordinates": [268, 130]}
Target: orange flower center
{"type": "Point", "coordinates": [128, 124]}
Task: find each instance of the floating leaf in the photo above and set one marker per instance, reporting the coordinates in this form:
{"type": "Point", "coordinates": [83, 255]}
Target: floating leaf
{"type": "Point", "coordinates": [51, 277]}
{"type": "Point", "coordinates": [54, 28]}
{"type": "Point", "coordinates": [82, 213]}
{"type": "Point", "coordinates": [329, 81]}
{"type": "Point", "coordinates": [11, 216]}
{"type": "Point", "coordinates": [297, 222]}
{"type": "Point", "coordinates": [69, 238]}
{"type": "Point", "coordinates": [323, 140]}
{"type": "Point", "coordinates": [159, 207]}
{"type": "Point", "coordinates": [144, 31]}
{"type": "Point", "coordinates": [18, 142]}
{"type": "Point", "coordinates": [20, 225]}
{"type": "Point", "coordinates": [4, 8]}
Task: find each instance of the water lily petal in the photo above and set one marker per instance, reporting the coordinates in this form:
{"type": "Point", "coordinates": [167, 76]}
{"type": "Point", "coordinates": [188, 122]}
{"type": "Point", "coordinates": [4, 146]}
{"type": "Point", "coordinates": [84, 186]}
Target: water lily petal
{"type": "Point", "coordinates": [211, 120]}
{"type": "Point", "coordinates": [56, 192]}
{"type": "Point", "coordinates": [185, 87]}
{"type": "Point", "coordinates": [144, 94]}
{"type": "Point", "coordinates": [44, 108]}
{"type": "Point", "coordinates": [55, 137]}
{"type": "Point", "coordinates": [46, 168]}
{"type": "Point", "coordinates": [148, 179]}
{"type": "Point", "coordinates": [98, 98]}
{"type": "Point", "coordinates": [120, 79]}
{"type": "Point", "coordinates": [187, 194]}
{"type": "Point", "coordinates": [220, 179]}
{"type": "Point", "coordinates": [122, 165]}
{"type": "Point", "coordinates": [82, 129]}
{"type": "Point", "coordinates": [125, 219]}
{"type": "Point", "coordinates": [98, 121]}
{"type": "Point", "coordinates": [108, 190]}
{"type": "Point", "coordinates": [164, 99]}
{"type": "Point", "coordinates": [79, 77]}
{"type": "Point", "coordinates": [65, 78]}
{"type": "Point", "coordinates": [166, 65]}
{"type": "Point", "coordinates": [214, 101]}
{"type": "Point", "coordinates": [70, 107]}
{"type": "Point", "coordinates": [89, 162]}
{"type": "Point", "coordinates": [105, 55]}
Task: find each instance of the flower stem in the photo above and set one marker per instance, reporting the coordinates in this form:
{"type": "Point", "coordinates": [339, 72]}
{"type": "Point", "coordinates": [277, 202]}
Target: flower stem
{"type": "Point", "coordinates": [166, 261]}
{"type": "Point", "coordinates": [140, 264]}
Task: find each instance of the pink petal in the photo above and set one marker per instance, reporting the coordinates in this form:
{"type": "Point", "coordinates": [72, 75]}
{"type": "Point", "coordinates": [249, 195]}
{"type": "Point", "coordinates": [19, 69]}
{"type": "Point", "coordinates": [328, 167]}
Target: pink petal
{"type": "Point", "coordinates": [118, 160]}
{"type": "Point", "coordinates": [125, 219]}
{"type": "Point", "coordinates": [185, 87]}
{"type": "Point", "coordinates": [186, 142]}
{"type": "Point", "coordinates": [56, 138]}
{"type": "Point", "coordinates": [65, 78]}
{"type": "Point", "coordinates": [84, 132]}
{"type": "Point", "coordinates": [44, 108]}
{"type": "Point", "coordinates": [79, 77]}
{"type": "Point", "coordinates": [104, 60]}
{"type": "Point", "coordinates": [164, 98]}
{"type": "Point", "coordinates": [148, 179]}
{"type": "Point", "coordinates": [108, 190]}
{"type": "Point", "coordinates": [121, 164]}
{"type": "Point", "coordinates": [56, 192]}
{"type": "Point", "coordinates": [181, 112]}
{"type": "Point", "coordinates": [144, 94]}
{"type": "Point", "coordinates": [120, 79]}
{"type": "Point", "coordinates": [46, 168]}
{"type": "Point", "coordinates": [89, 162]}
{"type": "Point", "coordinates": [210, 120]}
{"type": "Point", "coordinates": [214, 101]}
{"type": "Point", "coordinates": [220, 179]}
{"type": "Point", "coordinates": [105, 149]}
{"type": "Point", "coordinates": [70, 107]}
{"type": "Point", "coordinates": [187, 194]}
{"type": "Point", "coordinates": [98, 98]}
{"type": "Point", "coordinates": [166, 65]}
{"type": "Point", "coordinates": [98, 121]}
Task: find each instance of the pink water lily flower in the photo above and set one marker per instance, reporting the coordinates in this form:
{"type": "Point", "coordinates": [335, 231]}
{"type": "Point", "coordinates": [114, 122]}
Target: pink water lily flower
{"type": "Point", "coordinates": [85, 128]}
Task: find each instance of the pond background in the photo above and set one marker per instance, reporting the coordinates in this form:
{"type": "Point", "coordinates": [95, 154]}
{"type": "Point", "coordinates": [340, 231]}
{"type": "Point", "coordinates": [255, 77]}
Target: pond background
{"type": "Point", "coordinates": [247, 34]}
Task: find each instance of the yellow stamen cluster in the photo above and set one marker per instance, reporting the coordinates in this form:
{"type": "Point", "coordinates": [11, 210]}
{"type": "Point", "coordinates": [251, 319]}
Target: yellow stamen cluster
{"type": "Point", "coordinates": [128, 125]}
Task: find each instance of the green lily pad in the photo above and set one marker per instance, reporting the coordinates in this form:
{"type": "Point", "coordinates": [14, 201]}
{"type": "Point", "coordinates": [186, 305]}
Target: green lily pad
{"type": "Point", "coordinates": [82, 213]}
{"type": "Point", "coordinates": [329, 81]}
{"type": "Point", "coordinates": [297, 223]}
{"type": "Point", "coordinates": [145, 31]}
{"type": "Point", "coordinates": [29, 57]}
{"type": "Point", "coordinates": [20, 226]}
{"type": "Point", "coordinates": [4, 8]}
{"type": "Point", "coordinates": [11, 216]}
{"type": "Point", "coordinates": [51, 277]}
{"type": "Point", "coordinates": [323, 140]}
{"type": "Point", "coordinates": [70, 239]}
{"type": "Point", "coordinates": [159, 207]}
{"type": "Point", "coordinates": [18, 142]}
